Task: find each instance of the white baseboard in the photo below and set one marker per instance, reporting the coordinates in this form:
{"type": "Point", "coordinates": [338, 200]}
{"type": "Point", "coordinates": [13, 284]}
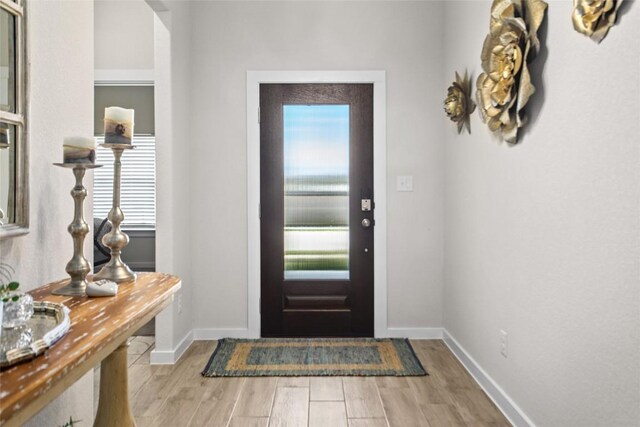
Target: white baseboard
{"type": "Point", "coordinates": [502, 400]}
{"type": "Point", "coordinates": [413, 333]}
{"type": "Point", "coordinates": [216, 334]}
{"type": "Point", "coordinates": [169, 357]}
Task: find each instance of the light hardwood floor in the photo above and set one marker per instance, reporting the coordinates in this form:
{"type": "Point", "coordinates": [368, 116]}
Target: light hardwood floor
{"type": "Point", "coordinates": [179, 396]}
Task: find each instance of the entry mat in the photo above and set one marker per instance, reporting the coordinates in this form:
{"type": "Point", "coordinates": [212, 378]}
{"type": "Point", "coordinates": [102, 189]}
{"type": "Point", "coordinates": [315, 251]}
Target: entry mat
{"type": "Point", "coordinates": [313, 357]}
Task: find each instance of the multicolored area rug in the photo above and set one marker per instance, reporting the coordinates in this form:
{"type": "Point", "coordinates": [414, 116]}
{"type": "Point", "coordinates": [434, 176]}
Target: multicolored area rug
{"type": "Point", "coordinates": [313, 357]}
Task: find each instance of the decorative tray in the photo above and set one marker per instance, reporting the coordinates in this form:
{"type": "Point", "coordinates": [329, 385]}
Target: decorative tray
{"type": "Point", "coordinates": [49, 323]}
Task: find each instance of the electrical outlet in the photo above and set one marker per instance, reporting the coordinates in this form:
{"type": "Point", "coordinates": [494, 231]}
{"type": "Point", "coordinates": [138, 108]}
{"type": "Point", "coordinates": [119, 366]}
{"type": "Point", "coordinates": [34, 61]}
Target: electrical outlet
{"type": "Point", "coordinates": [179, 303]}
{"type": "Point", "coordinates": [504, 343]}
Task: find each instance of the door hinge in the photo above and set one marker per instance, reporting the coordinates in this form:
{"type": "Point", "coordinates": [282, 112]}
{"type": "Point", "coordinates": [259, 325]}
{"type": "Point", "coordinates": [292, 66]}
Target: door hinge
{"type": "Point", "coordinates": [258, 114]}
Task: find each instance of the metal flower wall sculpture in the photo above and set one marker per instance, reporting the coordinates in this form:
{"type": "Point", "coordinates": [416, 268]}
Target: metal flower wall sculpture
{"type": "Point", "coordinates": [594, 18]}
{"type": "Point", "coordinates": [504, 88]}
{"type": "Point", "coordinates": [458, 104]}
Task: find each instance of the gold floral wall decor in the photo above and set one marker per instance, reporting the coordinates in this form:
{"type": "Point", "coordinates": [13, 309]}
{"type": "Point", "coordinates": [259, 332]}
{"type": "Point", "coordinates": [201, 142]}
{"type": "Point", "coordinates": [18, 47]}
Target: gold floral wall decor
{"type": "Point", "coordinates": [458, 104]}
{"type": "Point", "coordinates": [594, 18]}
{"type": "Point", "coordinates": [504, 88]}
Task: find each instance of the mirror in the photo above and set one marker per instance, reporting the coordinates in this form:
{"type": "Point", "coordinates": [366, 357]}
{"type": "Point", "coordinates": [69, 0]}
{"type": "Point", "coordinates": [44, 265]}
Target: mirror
{"type": "Point", "coordinates": [13, 144]}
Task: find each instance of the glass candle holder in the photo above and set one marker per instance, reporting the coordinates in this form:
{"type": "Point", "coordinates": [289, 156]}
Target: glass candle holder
{"type": "Point", "coordinates": [16, 313]}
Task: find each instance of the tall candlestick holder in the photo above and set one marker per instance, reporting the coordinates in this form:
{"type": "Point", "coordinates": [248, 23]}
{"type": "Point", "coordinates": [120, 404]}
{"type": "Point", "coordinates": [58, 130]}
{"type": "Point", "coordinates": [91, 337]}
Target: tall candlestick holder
{"type": "Point", "coordinates": [116, 270]}
{"type": "Point", "coordinates": [78, 267]}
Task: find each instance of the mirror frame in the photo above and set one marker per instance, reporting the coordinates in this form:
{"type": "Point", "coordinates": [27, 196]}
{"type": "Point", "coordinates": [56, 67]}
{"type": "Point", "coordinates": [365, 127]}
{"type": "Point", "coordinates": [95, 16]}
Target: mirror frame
{"type": "Point", "coordinates": [20, 224]}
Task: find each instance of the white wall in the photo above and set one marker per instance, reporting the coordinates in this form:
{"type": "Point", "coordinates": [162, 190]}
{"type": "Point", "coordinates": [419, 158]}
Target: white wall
{"type": "Point", "coordinates": [229, 38]}
{"type": "Point", "coordinates": [173, 164]}
{"type": "Point", "coordinates": [60, 41]}
{"type": "Point", "coordinates": [123, 35]}
{"type": "Point", "coordinates": [542, 238]}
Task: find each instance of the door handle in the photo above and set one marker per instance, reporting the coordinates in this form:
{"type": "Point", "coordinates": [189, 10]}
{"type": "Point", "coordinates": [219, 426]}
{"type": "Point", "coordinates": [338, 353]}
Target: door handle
{"type": "Point", "coordinates": [366, 223]}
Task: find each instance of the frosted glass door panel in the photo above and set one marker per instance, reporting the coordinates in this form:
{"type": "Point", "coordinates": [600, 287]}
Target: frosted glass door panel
{"type": "Point", "coordinates": [316, 192]}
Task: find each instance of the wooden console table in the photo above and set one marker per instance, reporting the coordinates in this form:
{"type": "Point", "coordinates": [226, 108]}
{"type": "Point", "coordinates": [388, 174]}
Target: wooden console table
{"type": "Point", "coordinates": [99, 331]}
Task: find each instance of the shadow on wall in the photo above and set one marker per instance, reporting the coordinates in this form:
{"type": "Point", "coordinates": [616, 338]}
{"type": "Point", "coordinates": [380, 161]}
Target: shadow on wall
{"type": "Point", "coordinates": [623, 10]}
{"type": "Point", "coordinates": [536, 69]}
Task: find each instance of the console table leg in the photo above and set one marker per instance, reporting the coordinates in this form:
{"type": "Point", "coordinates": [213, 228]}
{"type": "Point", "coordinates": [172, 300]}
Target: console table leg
{"type": "Point", "coordinates": [113, 406]}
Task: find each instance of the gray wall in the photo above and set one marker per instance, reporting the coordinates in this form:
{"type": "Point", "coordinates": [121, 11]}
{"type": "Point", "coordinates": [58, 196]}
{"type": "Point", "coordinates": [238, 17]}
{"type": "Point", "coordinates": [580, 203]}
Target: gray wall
{"type": "Point", "coordinates": [140, 253]}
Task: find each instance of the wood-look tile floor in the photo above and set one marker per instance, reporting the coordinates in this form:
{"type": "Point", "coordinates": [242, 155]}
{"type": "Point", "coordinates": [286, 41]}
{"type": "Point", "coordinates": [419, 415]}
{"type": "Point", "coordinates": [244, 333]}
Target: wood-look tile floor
{"type": "Point", "coordinates": [178, 395]}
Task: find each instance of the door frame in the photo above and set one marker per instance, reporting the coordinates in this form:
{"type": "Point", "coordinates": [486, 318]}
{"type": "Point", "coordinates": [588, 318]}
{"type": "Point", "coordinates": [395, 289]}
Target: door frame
{"type": "Point", "coordinates": [378, 79]}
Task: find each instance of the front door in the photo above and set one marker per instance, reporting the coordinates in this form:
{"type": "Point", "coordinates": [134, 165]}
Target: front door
{"type": "Point", "coordinates": [316, 209]}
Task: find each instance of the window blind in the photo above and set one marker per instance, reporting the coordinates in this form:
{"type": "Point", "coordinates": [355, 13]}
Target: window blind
{"type": "Point", "coordinates": [138, 183]}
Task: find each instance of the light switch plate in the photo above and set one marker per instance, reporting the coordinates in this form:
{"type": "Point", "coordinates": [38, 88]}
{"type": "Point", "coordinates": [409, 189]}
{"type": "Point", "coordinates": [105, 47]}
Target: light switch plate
{"type": "Point", "coordinates": [405, 183]}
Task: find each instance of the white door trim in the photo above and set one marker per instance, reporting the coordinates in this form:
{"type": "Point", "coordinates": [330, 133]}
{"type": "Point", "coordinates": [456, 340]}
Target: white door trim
{"type": "Point", "coordinates": [378, 78]}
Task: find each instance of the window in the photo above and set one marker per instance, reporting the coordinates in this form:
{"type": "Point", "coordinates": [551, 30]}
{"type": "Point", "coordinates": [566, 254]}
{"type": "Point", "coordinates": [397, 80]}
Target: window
{"type": "Point", "coordinates": [13, 163]}
{"type": "Point", "coordinates": [137, 186]}
{"type": "Point", "coordinates": [138, 181]}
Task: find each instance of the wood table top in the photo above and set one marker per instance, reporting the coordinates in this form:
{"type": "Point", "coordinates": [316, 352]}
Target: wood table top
{"type": "Point", "coordinates": [98, 326]}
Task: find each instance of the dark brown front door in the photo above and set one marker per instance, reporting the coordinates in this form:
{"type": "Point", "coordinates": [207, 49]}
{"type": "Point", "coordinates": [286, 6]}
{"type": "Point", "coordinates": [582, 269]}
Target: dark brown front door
{"type": "Point", "coordinates": [316, 199]}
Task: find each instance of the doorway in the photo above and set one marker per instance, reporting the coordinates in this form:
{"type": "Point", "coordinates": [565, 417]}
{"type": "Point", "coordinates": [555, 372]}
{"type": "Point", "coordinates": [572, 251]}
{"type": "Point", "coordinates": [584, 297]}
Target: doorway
{"type": "Point", "coordinates": [317, 205]}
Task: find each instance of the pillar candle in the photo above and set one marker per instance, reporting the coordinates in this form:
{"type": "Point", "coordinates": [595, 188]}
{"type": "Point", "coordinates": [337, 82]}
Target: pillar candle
{"type": "Point", "coordinates": [78, 149]}
{"type": "Point", "coordinates": [118, 125]}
